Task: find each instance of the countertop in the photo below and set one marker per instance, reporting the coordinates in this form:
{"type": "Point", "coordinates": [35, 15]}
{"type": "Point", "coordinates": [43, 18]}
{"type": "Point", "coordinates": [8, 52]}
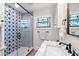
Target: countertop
{"type": "Point", "coordinates": [51, 48]}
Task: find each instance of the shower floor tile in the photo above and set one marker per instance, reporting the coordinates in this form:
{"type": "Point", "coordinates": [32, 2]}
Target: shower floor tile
{"type": "Point", "coordinates": [23, 51]}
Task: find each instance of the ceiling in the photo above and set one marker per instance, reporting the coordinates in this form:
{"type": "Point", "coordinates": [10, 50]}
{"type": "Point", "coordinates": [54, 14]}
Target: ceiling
{"type": "Point", "coordinates": [31, 7]}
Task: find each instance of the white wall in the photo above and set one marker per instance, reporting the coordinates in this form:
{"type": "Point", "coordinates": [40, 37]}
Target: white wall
{"type": "Point", "coordinates": [48, 36]}
{"type": "Point", "coordinates": [62, 14]}
{"type": "Point", "coordinates": [1, 29]}
{"type": "Point", "coordinates": [56, 17]}
{"type": "Point", "coordinates": [2, 23]}
{"type": "Point", "coordinates": [74, 8]}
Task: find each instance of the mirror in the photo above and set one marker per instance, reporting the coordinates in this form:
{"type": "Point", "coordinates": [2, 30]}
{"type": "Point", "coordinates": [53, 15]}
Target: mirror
{"type": "Point", "coordinates": [73, 19]}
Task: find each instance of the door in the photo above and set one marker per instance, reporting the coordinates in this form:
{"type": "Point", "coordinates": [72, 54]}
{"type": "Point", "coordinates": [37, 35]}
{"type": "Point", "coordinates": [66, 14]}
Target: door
{"type": "Point", "coordinates": [24, 35]}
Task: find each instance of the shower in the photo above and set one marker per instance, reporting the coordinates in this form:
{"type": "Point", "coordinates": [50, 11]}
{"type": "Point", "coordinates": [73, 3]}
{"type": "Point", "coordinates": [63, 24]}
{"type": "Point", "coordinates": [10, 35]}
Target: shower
{"type": "Point", "coordinates": [18, 31]}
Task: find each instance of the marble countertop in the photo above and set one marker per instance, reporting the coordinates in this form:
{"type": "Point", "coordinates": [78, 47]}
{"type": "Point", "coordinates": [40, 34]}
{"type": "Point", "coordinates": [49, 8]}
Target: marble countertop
{"type": "Point", "coordinates": [52, 48]}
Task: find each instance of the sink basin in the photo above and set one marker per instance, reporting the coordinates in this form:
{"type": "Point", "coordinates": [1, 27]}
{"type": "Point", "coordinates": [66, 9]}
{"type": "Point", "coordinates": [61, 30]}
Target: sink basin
{"type": "Point", "coordinates": [51, 48]}
{"type": "Point", "coordinates": [55, 51]}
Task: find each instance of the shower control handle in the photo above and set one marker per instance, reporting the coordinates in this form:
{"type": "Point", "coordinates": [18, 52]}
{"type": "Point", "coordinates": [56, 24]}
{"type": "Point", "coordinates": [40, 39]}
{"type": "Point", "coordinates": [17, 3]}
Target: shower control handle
{"type": "Point", "coordinates": [19, 35]}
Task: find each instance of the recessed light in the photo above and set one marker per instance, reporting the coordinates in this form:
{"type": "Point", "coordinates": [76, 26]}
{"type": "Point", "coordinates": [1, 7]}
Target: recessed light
{"type": "Point", "coordinates": [16, 5]}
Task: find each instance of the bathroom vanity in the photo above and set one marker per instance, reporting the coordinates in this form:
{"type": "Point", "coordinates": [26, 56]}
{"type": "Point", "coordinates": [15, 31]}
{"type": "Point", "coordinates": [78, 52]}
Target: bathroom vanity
{"type": "Point", "coordinates": [52, 48]}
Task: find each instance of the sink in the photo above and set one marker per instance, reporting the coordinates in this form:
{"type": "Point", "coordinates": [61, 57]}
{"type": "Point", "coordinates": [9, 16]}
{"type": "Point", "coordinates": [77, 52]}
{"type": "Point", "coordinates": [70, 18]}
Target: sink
{"type": "Point", "coordinates": [52, 48]}
{"type": "Point", "coordinates": [55, 51]}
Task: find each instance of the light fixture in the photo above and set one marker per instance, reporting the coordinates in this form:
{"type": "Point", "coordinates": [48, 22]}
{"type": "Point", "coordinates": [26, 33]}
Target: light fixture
{"type": "Point", "coordinates": [16, 5]}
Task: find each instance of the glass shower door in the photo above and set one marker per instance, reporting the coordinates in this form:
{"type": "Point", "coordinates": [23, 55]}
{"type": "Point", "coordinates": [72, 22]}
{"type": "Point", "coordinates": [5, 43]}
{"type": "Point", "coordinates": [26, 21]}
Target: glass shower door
{"type": "Point", "coordinates": [18, 32]}
{"type": "Point", "coordinates": [24, 37]}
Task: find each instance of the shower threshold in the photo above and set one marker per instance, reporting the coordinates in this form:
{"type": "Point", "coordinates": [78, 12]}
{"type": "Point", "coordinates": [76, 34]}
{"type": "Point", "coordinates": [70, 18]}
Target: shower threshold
{"type": "Point", "coordinates": [23, 51]}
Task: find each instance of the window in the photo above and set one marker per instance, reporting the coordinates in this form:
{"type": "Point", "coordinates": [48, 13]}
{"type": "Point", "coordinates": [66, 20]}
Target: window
{"type": "Point", "coordinates": [43, 22]}
{"type": "Point", "coordinates": [25, 23]}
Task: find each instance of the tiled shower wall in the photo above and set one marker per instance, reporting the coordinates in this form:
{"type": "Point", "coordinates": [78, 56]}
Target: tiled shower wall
{"type": "Point", "coordinates": [12, 20]}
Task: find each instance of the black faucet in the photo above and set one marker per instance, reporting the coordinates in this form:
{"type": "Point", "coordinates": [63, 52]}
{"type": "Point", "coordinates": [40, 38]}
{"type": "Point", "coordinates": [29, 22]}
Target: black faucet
{"type": "Point", "coordinates": [68, 46]}
{"type": "Point", "coordinates": [62, 43]}
{"type": "Point", "coordinates": [73, 53]}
